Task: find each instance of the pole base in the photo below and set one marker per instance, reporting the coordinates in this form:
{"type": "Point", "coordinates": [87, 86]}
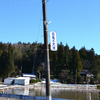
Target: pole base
{"type": "Point", "coordinates": [48, 97]}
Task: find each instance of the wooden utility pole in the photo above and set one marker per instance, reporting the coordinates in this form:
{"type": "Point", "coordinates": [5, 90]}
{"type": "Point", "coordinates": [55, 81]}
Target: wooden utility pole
{"type": "Point", "coordinates": [76, 77]}
{"type": "Point", "coordinates": [46, 49]}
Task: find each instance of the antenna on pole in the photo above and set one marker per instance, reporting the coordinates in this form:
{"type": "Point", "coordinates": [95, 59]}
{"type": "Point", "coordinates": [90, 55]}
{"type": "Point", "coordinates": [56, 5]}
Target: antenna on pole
{"type": "Point", "coordinates": [46, 50]}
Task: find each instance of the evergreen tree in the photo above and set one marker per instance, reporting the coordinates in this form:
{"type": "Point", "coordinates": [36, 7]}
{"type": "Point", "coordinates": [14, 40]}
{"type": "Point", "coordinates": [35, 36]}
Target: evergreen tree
{"type": "Point", "coordinates": [75, 64]}
{"type": "Point", "coordinates": [54, 62]}
{"type": "Point", "coordinates": [2, 48]}
{"type": "Point", "coordinates": [3, 62]}
{"type": "Point", "coordinates": [83, 53]}
{"type": "Point", "coordinates": [10, 64]}
{"type": "Point", "coordinates": [60, 53]}
{"type": "Point", "coordinates": [66, 57]}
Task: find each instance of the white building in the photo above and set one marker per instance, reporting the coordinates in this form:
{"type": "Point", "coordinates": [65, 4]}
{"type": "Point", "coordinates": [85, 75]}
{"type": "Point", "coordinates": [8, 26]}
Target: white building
{"type": "Point", "coordinates": [9, 81]}
{"type": "Point", "coordinates": [22, 81]}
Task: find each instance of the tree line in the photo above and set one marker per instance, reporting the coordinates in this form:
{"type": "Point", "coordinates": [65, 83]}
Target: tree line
{"type": "Point", "coordinates": [63, 63]}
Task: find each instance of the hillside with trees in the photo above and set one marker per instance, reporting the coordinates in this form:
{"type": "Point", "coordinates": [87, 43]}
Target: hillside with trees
{"type": "Point", "coordinates": [63, 63]}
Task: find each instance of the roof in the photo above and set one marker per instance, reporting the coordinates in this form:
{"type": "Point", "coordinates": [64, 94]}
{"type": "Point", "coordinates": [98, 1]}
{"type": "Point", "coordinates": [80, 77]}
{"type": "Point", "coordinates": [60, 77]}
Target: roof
{"type": "Point", "coordinates": [12, 78]}
{"type": "Point", "coordinates": [29, 75]}
{"type": "Point", "coordinates": [23, 78]}
{"type": "Point", "coordinates": [85, 72]}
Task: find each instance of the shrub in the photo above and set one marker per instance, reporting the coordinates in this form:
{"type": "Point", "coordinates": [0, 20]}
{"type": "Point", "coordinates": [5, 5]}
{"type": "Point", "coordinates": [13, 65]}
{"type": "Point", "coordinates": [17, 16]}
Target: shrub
{"type": "Point", "coordinates": [38, 80]}
{"type": "Point", "coordinates": [35, 81]}
{"type": "Point", "coordinates": [32, 81]}
{"type": "Point", "coordinates": [92, 81]}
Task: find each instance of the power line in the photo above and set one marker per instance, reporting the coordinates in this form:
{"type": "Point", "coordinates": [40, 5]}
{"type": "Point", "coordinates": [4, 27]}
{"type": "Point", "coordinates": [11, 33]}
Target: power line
{"type": "Point", "coordinates": [37, 39]}
{"type": "Point", "coordinates": [18, 2]}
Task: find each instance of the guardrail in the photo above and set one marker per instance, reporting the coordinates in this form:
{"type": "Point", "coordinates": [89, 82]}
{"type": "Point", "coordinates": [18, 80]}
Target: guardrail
{"type": "Point", "coordinates": [25, 97]}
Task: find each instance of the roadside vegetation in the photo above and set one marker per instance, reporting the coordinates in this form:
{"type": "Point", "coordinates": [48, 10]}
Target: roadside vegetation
{"type": "Point", "coordinates": [34, 81]}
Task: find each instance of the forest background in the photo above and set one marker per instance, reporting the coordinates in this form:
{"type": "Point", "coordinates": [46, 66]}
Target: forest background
{"type": "Point", "coordinates": [19, 58]}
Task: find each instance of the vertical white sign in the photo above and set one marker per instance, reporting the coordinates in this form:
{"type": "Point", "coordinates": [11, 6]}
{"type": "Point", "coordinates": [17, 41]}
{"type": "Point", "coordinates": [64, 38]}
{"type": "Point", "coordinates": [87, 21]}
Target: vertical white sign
{"type": "Point", "coordinates": [53, 41]}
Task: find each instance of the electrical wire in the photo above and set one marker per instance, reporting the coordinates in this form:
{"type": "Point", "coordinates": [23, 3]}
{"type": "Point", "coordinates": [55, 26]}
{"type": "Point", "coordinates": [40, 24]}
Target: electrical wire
{"type": "Point", "coordinates": [39, 26]}
{"type": "Point", "coordinates": [37, 40]}
{"type": "Point", "coordinates": [18, 2]}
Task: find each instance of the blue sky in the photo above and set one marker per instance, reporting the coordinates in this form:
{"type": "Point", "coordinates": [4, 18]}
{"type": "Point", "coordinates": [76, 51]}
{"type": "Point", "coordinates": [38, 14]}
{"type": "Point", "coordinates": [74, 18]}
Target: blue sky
{"type": "Point", "coordinates": [76, 22]}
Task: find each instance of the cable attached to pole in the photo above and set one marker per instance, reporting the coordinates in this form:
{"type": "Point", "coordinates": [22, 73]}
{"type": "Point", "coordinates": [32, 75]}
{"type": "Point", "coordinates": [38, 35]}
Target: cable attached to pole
{"type": "Point", "coordinates": [17, 2]}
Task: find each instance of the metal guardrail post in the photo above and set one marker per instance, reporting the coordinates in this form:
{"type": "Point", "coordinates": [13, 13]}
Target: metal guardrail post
{"type": "Point", "coordinates": [33, 98]}
{"type": "Point", "coordinates": [99, 95]}
{"type": "Point", "coordinates": [7, 97]}
{"type": "Point", "coordinates": [3, 90]}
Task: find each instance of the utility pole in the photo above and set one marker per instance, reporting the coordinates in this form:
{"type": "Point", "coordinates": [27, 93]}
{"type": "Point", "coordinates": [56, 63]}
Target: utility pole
{"type": "Point", "coordinates": [76, 77]}
{"type": "Point", "coordinates": [46, 49]}
{"type": "Point", "coordinates": [21, 70]}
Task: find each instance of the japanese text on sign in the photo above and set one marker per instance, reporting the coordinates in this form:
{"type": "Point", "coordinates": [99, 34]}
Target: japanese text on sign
{"type": "Point", "coordinates": [53, 41]}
